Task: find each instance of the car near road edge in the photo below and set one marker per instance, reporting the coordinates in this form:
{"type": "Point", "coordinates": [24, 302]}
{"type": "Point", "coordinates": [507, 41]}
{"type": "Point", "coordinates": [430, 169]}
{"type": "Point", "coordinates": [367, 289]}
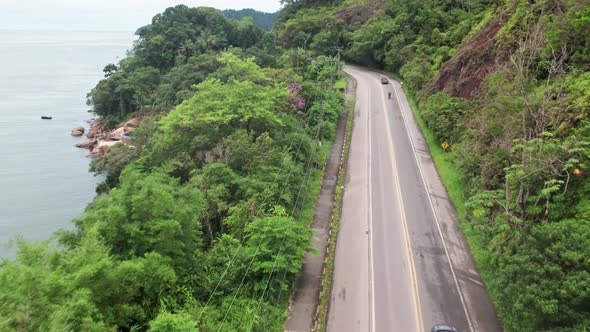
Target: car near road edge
{"type": "Point", "coordinates": [443, 328]}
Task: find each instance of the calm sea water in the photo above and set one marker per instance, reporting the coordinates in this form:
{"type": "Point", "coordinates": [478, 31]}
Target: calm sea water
{"type": "Point", "coordinates": [44, 179]}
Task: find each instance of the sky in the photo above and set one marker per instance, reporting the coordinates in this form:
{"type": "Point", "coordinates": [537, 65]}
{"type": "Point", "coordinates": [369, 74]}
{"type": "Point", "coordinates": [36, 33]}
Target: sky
{"type": "Point", "coordinates": [115, 15]}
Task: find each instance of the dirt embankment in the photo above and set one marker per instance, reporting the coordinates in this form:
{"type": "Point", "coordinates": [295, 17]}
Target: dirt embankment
{"type": "Point", "coordinates": [358, 14]}
{"type": "Point", "coordinates": [463, 74]}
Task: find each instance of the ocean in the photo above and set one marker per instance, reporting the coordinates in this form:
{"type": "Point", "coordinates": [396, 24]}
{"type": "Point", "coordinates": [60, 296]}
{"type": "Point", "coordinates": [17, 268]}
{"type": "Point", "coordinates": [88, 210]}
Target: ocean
{"type": "Point", "coordinates": [44, 179]}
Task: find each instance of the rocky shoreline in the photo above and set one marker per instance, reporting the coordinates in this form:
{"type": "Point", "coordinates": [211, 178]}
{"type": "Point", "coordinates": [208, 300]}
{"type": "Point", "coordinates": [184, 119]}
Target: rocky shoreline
{"type": "Point", "coordinates": [100, 139]}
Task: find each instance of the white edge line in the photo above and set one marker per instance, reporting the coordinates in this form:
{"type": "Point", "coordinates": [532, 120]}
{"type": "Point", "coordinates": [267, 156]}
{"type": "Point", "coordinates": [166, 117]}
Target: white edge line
{"type": "Point", "coordinates": [434, 213]}
{"type": "Point", "coordinates": [370, 210]}
{"type": "Point", "coordinates": [476, 281]}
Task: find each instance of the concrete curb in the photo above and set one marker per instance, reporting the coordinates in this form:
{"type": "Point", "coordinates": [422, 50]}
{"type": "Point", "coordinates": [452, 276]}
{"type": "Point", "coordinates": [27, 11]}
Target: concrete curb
{"type": "Point", "coordinates": [304, 303]}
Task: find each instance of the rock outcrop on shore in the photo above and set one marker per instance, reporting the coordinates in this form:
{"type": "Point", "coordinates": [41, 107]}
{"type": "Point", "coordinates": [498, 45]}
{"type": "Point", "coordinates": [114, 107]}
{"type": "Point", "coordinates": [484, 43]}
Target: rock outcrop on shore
{"type": "Point", "coordinates": [79, 131]}
{"type": "Point", "coordinates": [100, 139]}
{"type": "Point", "coordinates": [96, 128]}
{"type": "Point", "coordinates": [88, 144]}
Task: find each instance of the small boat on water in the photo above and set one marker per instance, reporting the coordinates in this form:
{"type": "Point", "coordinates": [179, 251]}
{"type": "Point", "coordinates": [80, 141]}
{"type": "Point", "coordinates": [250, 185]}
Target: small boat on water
{"type": "Point", "coordinates": [44, 117]}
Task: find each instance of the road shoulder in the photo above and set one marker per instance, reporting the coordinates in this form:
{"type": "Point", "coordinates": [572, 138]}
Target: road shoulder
{"type": "Point", "coordinates": [304, 301]}
{"type": "Point", "coordinates": [349, 298]}
{"type": "Point", "coordinates": [480, 309]}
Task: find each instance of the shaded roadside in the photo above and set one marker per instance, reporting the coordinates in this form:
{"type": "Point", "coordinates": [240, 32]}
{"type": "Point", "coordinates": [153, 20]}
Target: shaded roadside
{"type": "Point", "coordinates": [304, 301]}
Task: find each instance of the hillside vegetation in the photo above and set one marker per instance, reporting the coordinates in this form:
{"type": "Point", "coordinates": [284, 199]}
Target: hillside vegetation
{"type": "Point", "coordinates": [505, 83]}
{"type": "Point", "coordinates": [203, 218]}
{"type": "Point", "coordinates": [262, 20]}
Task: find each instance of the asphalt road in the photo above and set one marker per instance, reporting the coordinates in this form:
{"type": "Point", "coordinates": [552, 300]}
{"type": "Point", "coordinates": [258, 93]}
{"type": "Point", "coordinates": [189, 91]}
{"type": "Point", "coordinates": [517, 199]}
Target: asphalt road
{"type": "Point", "coordinates": [401, 263]}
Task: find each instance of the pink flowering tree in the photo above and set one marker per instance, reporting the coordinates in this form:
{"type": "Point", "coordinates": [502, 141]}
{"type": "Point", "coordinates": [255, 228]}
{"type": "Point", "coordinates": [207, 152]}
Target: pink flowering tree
{"type": "Point", "coordinates": [298, 102]}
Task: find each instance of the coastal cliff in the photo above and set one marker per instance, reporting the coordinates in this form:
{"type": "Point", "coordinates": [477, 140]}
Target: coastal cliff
{"type": "Point", "coordinates": [99, 139]}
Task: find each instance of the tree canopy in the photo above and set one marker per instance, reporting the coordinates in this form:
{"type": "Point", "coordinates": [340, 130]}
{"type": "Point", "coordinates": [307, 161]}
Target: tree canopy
{"type": "Point", "coordinates": [189, 231]}
{"type": "Point", "coordinates": [505, 84]}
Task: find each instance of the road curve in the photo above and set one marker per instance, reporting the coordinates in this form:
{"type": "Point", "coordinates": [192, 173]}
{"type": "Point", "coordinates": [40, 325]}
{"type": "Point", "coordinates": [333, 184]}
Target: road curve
{"type": "Point", "coordinates": [401, 263]}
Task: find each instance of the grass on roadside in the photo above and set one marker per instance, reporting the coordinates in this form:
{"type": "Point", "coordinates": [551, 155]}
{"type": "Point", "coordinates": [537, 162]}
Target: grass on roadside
{"type": "Point", "coordinates": [322, 314]}
{"type": "Point", "coordinates": [452, 178]}
{"type": "Point", "coordinates": [314, 186]}
{"type": "Point", "coordinates": [340, 84]}
{"type": "Point", "coordinates": [310, 198]}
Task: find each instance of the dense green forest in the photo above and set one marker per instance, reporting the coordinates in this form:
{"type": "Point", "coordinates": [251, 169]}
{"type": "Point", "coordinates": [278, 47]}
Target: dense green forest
{"type": "Point", "coordinates": [506, 84]}
{"type": "Point", "coordinates": [262, 20]}
{"type": "Point", "coordinates": [202, 220]}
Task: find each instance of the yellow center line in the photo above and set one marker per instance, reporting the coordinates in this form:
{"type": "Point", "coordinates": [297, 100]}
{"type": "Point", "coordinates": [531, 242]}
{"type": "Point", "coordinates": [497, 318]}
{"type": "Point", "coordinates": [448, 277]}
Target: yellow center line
{"type": "Point", "coordinates": [417, 306]}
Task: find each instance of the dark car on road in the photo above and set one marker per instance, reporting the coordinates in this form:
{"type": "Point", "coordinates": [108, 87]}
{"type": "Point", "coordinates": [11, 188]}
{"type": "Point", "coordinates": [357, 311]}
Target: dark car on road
{"type": "Point", "coordinates": [443, 328]}
{"type": "Point", "coordinates": [384, 80]}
